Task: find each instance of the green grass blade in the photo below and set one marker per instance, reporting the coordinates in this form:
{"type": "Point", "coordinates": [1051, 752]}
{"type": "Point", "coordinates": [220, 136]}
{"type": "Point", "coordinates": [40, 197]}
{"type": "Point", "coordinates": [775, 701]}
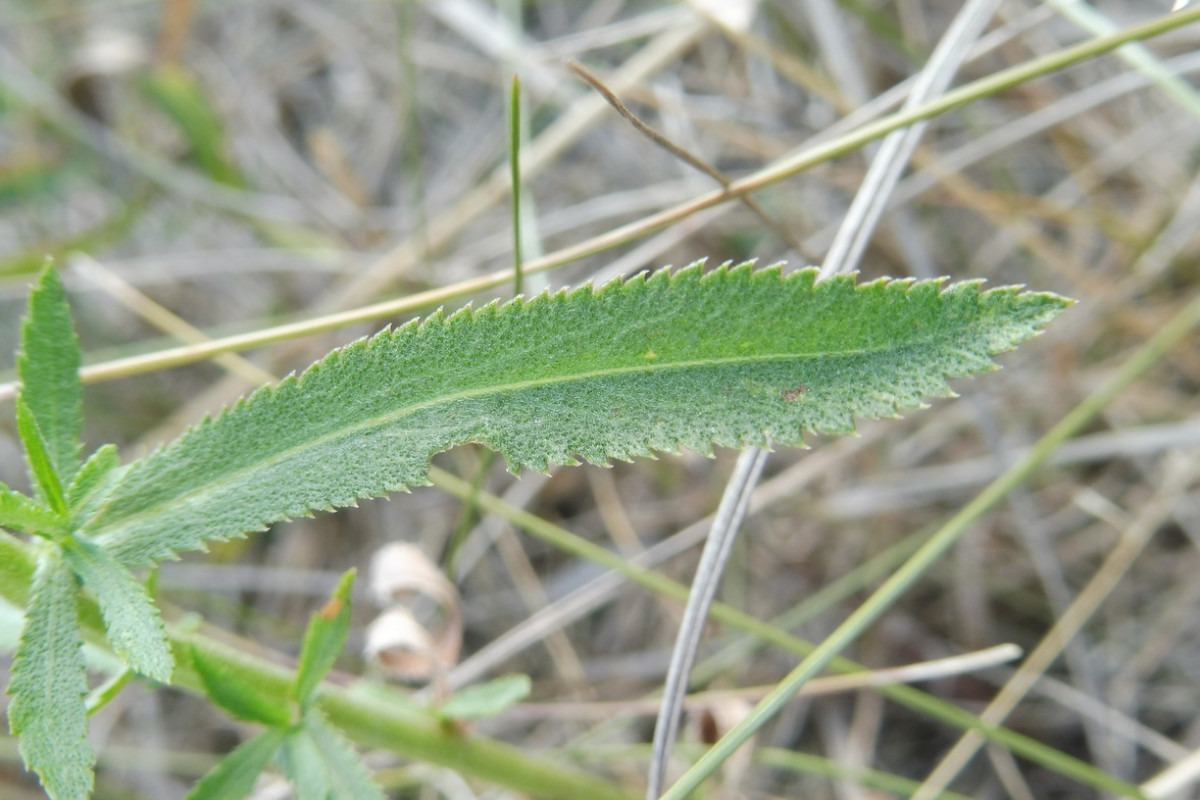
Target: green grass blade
{"type": "Point", "coordinates": [737, 357]}
{"type": "Point", "coordinates": [49, 684]}
{"type": "Point", "coordinates": [323, 641]}
{"type": "Point", "coordinates": [234, 777]}
{"type": "Point", "coordinates": [131, 619]}
{"type": "Point", "coordinates": [48, 368]}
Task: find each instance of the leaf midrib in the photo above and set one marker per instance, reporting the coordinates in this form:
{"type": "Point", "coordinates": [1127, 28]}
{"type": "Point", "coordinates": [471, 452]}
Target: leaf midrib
{"type": "Point", "coordinates": [398, 414]}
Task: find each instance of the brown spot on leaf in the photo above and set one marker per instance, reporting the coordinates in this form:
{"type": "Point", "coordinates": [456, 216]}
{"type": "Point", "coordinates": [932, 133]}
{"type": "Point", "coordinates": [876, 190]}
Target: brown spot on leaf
{"type": "Point", "coordinates": [331, 609]}
{"type": "Point", "coordinates": [792, 395]}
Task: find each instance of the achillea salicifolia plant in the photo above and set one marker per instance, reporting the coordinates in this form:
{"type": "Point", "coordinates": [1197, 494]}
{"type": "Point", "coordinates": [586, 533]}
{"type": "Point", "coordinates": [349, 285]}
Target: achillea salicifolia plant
{"type": "Point", "coordinates": [734, 357]}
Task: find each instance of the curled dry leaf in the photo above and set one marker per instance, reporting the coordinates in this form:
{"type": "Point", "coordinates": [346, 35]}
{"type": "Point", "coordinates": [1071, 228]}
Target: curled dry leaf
{"type": "Point", "coordinates": [402, 641]}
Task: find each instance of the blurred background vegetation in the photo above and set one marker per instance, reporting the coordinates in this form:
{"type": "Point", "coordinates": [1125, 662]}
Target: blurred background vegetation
{"type": "Point", "coordinates": [203, 169]}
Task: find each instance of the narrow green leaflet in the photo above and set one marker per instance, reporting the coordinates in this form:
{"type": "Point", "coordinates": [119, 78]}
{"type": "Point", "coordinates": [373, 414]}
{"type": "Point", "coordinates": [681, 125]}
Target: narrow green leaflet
{"type": "Point", "coordinates": [323, 642]}
{"type": "Point", "coordinates": [737, 357]}
{"type": "Point", "coordinates": [485, 699]}
{"type": "Point", "coordinates": [37, 452]}
{"type": "Point", "coordinates": [48, 686]}
{"type": "Point", "coordinates": [304, 764]}
{"type": "Point", "coordinates": [92, 478]}
{"type": "Point", "coordinates": [48, 368]}
{"type": "Point", "coordinates": [131, 620]}
{"type": "Point", "coordinates": [23, 513]}
{"type": "Point", "coordinates": [233, 692]}
{"type": "Point", "coordinates": [234, 777]}
{"type": "Point", "coordinates": [349, 778]}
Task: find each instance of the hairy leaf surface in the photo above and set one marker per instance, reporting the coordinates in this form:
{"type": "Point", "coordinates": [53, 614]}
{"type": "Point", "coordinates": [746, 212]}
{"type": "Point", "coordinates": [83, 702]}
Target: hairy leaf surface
{"type": "Point", "coordinates": [23, 513]}
{"type": "Point", "coordinates": [304, 764]}
{"type": "Point", "coordinates": [48, 366]}
{"type": "Point", "coordinates": [736, 357]}
{"type": "Point", "coordinates": [349, 778]}
{"type": "Point", "coordinates": [131, 619]}
{"type": "Point", "coordinates": [48, 686]}
{"type": "Point", "coordinates": [92, 478]}
{"type": "Point", "coordinates": [42, 471]}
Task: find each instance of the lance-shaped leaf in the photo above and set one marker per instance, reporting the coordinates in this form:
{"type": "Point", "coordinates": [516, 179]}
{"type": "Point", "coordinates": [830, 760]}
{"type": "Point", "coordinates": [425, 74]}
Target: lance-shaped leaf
{"type": "Point", "coordinates": [23, 513]}
{"type": "Point", "coordinates": [736, 357]}
{"type": "Point", "coordinates": [349, 778]}
{"type": "Point", "coordinates": [48, 686]}
{"type": "Point", "coordinates": [323, 642]}
{"type": "Point", "coordinates": [131, 620]}
{"type": "Point", "coordinates": [48, 367]}
{"type": "Point", "coordinates": [485, 699]}
{"type": "Point", "coordinates": [93, 477]}
{"type": "Point", "coordinates": [37, 454]}
{"type": "Point", "coordinates": [234, 777]}
{"type": "Point", "coordinates": [303, 762]}
{"type": "Point", "coordinates": [235, 692]}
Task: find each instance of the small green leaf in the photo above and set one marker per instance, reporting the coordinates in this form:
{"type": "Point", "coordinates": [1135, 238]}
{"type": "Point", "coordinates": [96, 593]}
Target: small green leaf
{"type": "Point", "coordinates": [23, 513]}
{"type": "Point", "coordinates": [234, 692]}
{"type": "Point", "coordinates": [234, 777]}
{"type": "Point", "coordinates": [323, 642]}
{"type": "Point", "coordinates": [734, 357]}
{"type": "Point", "coordinates": [105, 693]}
{"type": "Point", "coordinates": [131, 619]}
{"type": "Point", "coordinates": [37, 453]}
{"type": "Point", "coordinates": [48, 686]}
{"type": "Point", "coordinates": [93, 478]}
{"type": "Point", "coordinates": [348, 776]}
{"type": "Point", "coordinates": [302, 760]}
{"type": "Point", "coordinates": [485, 699]}
{"type": "Point", "coordinates": [48, 368]}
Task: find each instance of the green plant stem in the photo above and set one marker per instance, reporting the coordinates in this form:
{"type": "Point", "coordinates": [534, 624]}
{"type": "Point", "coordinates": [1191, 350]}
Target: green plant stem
{"type": "Point", "coordinates": [885, 597]}
{"type": "Point", "coordinates": [367, 718]}
{"type": "Point", "coordinates": [806, 159]}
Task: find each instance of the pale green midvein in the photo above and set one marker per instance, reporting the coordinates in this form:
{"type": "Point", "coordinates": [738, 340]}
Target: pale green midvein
{"type": "Point", "coordinates": [395, 416]}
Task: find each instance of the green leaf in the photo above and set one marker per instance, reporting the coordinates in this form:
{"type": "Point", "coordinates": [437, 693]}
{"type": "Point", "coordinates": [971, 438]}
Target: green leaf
{"type": "Point", "coordinates": [37, 453]}
{"type": "Point", "coordinates": [106, 692]}
{"type": "Point", "coordinates": [48, 368]}
{"type": "Point", "coordinates": [233, 778]}
{"type": "Point", "coordinates": [323, 641]}
{"type": "Point", "coordinates": [48, 686]}
{"type": "Point", "coordinates": [348, 776]}
{"type": "Point", "coordinates": [23, 513]}
{"type": "Point", "coordinates": [304, 764]}
{"type": "Point", "coordinates": [737, 357]}
{"type": "Point", "coordinates": [131, 620]}
{"type": "Point", "coordinates": [93, 478]}
{"type": "Point", "coordinates": [485, 699]}
{"type": "Point", "coordinates": [236, 693]}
